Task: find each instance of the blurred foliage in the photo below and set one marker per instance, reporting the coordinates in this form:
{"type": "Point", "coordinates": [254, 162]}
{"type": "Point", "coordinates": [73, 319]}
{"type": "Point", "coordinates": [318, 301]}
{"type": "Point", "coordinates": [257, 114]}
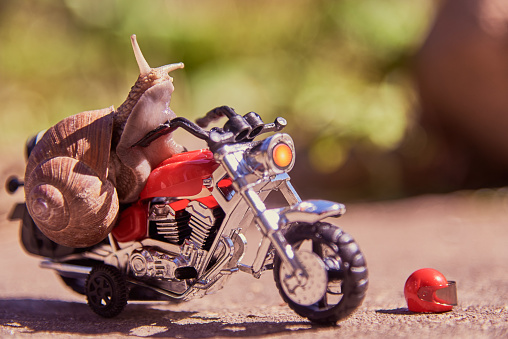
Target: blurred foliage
{"type": "Point", "coordinates": [337, 70]}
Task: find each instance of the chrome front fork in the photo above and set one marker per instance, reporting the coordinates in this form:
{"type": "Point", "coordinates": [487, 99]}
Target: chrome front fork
{"type": "Point", "coordinates": [272, 222]}
{"type": "Point", "coordinates": [268, 221]}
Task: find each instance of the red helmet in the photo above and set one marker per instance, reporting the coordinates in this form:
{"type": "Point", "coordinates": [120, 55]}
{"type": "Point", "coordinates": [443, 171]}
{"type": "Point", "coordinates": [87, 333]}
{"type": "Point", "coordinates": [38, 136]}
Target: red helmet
{"type": "Point", "coordinates": [426, 290]}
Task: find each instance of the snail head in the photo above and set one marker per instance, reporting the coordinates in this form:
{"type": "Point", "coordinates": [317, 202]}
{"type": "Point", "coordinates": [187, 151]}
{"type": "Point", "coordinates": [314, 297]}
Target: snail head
{"type": "Point", "coordinates": [149, 78]}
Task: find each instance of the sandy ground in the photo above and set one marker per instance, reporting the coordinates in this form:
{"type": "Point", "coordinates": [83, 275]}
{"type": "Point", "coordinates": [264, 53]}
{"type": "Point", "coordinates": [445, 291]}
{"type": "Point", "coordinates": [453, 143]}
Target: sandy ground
{"type": "Point", "coordinates": [464, 235]}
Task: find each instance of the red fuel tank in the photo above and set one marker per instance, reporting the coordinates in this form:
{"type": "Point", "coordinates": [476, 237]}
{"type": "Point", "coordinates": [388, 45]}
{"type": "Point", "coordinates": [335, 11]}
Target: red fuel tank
{"type": "Point", "coordinates": [181, 175]}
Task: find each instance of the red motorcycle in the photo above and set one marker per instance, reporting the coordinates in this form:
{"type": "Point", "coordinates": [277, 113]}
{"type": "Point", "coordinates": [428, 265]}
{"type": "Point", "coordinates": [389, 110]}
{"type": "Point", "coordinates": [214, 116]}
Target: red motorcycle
{"type": "Point", "coordinates": [184, 237]}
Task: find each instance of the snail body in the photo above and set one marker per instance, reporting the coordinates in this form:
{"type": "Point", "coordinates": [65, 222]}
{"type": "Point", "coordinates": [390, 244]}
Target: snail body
{"type": "Point", "coordinates": [84, 166]}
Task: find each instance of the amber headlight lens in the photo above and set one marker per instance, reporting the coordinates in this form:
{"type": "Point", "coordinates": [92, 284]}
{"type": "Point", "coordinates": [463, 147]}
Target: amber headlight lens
{"type": "Point", "coordinates": [274, 155]}
{"type": "Point", "coordinates": [282, 155]}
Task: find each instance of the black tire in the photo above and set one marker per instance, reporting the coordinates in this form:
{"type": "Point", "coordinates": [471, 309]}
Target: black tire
{"type": "Point", "coordinates": [346, 271]}
{"type": "Point", "coordinates": [106, 291]}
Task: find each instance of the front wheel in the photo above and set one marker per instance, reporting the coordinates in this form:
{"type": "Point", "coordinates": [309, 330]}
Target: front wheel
{"type": "Point", "coordinates": [338, 276]}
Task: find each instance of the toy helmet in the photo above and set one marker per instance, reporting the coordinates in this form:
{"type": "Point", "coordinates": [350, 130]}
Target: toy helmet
{"type": "Point", "coordinates": [426, 290]}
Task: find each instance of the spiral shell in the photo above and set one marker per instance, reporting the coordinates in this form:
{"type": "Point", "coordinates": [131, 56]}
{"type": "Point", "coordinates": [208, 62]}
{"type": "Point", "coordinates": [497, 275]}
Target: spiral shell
{"type": "Point", "coordinates": [85, 164]}
{"type": "Point", "coordinates": [66, 188]}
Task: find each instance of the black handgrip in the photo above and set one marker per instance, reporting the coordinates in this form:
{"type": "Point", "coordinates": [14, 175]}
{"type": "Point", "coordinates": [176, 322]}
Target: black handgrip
{"type": "Point", "coordinates": [215, 114]}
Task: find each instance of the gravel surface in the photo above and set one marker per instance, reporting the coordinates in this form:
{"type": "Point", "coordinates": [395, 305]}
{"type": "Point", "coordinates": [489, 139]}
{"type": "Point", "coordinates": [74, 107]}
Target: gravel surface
{"type": "Point", "coordinates": [464, 235]}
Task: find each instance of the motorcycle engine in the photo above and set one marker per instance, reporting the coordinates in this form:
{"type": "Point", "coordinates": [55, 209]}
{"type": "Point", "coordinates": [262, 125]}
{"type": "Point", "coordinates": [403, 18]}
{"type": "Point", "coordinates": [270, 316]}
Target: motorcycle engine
{"type": "Point", "coordinates": [193, 227]}
{"type": "Point", "coordinates": [196, 223]}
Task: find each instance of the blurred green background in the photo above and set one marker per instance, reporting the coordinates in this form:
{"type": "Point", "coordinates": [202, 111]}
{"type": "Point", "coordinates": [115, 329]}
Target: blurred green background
{"type": "Point", "coordinates": [336, 70]}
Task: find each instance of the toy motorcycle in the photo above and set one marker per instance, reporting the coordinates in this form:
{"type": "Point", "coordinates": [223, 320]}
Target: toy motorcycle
{"type": "Point", "coordinates": [183, 238]}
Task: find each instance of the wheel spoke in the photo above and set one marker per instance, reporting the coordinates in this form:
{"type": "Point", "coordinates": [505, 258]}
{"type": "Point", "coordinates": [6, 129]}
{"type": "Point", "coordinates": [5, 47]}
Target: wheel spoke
{"type": "Point", "coordinates": [100, 291]}
{"type": "Point", "coordinates": [102, 283]}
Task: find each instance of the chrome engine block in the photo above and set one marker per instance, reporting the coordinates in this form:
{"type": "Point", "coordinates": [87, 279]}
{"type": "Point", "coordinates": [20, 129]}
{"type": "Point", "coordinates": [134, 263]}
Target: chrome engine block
{"type": "Point", "coordinates": [151, 263]}
{"type": "Point", "coordinates": [193, 229]}
{"type": "Point", "coordinates": [204, 223]}
{"type": "Point", "coordinates": [196, 223]}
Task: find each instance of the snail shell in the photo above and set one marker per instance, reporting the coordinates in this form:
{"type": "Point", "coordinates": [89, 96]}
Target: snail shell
{"type": "Point", "coordinates": [66, 188]}
{"type": "Point", "coordinates": [85, 165]}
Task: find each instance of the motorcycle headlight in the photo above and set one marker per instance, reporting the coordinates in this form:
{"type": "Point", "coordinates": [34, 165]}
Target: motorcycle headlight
{"type": "Point", "coordinates": [274, 155]}
{"type": "Point", "coordinates": [282, 155]}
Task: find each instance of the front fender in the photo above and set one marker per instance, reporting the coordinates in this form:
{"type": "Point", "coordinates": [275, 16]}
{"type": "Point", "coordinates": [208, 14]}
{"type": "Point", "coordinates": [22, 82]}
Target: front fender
{"type": "Point", "coordinates": [310, 211]}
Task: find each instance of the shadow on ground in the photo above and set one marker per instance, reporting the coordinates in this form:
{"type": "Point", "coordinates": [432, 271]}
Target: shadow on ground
{"type": "Point", "coordinates": [34, 316]}
{"type": "Point", "coordinates": [396, 311]}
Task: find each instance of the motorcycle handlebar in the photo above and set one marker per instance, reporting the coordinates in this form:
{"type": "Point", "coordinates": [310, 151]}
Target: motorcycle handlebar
{"type": "Point", "coordinates": [247, 127]}
{"type": "Point", "coordinates": [236, 129]}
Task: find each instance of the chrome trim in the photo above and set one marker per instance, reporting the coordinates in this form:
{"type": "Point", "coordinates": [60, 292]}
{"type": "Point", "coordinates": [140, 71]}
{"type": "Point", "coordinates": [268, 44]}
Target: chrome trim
{"type": "Point", "coordinates": [260, 158]}
{"type": "Point", "coordinates": [289, 192]}
{"type": "Point", "coordinates": [261, 254]}
{"type": "Point", "coordinates": [65, 268]}
{"type": "Point", "coordinates": [164, 246]}
{"type": "Point", "coordinates": [310, 211]}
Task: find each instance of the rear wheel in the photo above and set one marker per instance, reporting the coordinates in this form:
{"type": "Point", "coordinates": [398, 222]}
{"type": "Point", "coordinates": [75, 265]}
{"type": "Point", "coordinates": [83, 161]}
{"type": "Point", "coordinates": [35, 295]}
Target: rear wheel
{"type": "Point", "coordinates": [106, 291]}
{"type": "Point", "coordinates": [339, 289]}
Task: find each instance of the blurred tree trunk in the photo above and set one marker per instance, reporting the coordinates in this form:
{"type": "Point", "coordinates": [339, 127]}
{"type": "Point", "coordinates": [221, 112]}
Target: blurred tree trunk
{"type": "Point", "coordinates": [462, 76]}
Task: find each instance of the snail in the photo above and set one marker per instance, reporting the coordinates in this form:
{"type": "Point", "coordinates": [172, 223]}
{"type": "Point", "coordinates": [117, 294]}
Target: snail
{"type": "Point", "coordinates": [85, 166]}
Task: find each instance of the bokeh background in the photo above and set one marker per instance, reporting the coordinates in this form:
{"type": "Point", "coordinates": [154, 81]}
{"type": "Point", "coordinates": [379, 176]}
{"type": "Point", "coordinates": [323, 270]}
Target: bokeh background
{"type": "Point", "coordinates": [358, 80]}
